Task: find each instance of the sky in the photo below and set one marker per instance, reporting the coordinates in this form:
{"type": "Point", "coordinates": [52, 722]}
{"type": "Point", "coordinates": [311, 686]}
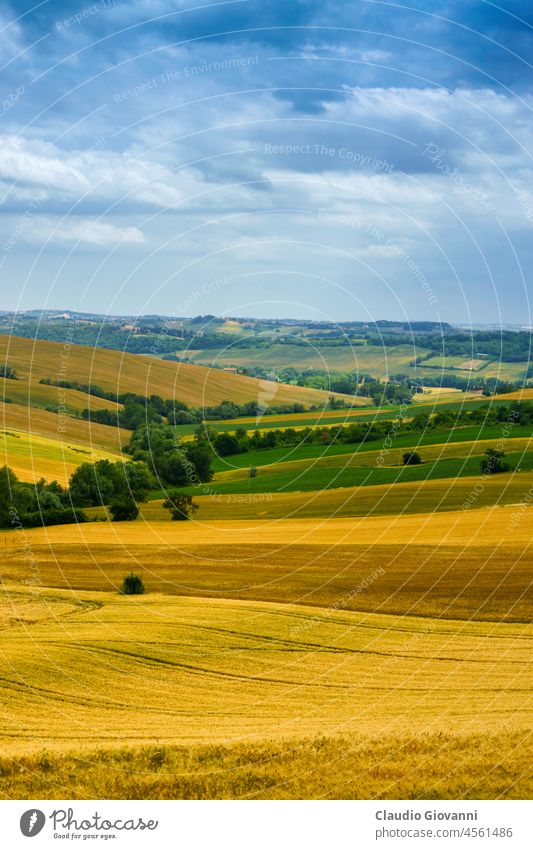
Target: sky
{"type": "Point", "coordinates": [317, 159]}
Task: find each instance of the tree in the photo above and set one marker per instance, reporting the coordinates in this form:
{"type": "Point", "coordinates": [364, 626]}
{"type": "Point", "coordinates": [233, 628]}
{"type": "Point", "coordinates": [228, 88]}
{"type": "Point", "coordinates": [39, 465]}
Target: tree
{"type": "Point", "coordinates": [176, 463]}
{"type": "Point", "coordinates": [181, 506]}
{"type": "Point", "coordinates": [226, 445]}
{"type": "Point", "coordinates": [132, 585]}
{"type": "Point", "coordinates": [124, 509]}
{"type": "Point", "coordinates": [200, 456]}
{"type": "Point", "coordinates": [93, 484]}
{"type": "Point", "coordinates": [8, 482]}
{"type": "Point", "coordinates": [493, 463]}
{"type": "Point", "coordinates": [98, 483]}
{"type": "Point", "coordinates": [411, 458]}
{"type": "Point", "coordinates": [137, 480]}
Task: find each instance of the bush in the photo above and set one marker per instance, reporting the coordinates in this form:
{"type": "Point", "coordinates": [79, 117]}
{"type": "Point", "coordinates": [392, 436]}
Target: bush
{"type": "Point", "coordinates": [57, 516]}
{"type": "Point", "coordinates": [181, 506]}
{"type": "Point", "coordinates": [411, 458]}
{"type": "Point", "coordinates": [8, 372]}
{"type": "Point", "coordinates": [132, 585]}
{"type": "Point", "coordinates": [124, 509]}
{"type": "Point", "coordinates": [493, 463]}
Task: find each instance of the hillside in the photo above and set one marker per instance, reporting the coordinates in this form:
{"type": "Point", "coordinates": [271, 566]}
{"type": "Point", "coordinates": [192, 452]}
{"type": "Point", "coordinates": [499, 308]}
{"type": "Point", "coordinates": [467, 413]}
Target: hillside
{"type": "Point", "coordinates": [118, 372]}
{"type": "Point", "coordinates": [34, 423]}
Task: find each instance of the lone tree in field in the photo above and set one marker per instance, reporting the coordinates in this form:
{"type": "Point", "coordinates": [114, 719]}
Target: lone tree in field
{"type": "Point", "coordinates": [132, 585]}
{"type": "Point", "coordinates": [493, 462]}
{"type": "Point", "coordinates": [411, 458]}
{"type": "Point", "coordinates": [181, 506]}
{"type": "Point", "coordinates": [124, 509]}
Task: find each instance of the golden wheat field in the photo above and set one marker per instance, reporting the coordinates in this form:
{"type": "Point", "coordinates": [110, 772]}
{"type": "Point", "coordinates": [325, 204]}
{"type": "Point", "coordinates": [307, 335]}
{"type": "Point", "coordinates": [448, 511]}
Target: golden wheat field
{"type": "Point", "coordinates": [396, 648]}
{"type": "Point", "coordinates": [32, 457]}
{"type": "Point", "coordinates": [86, 670]}
{"type": "Point", "coordinates": [116, 371]}
{"type": "Point", "coordinates": [488, 527]}
{"type": "Point", "coordinates": [62, 428]}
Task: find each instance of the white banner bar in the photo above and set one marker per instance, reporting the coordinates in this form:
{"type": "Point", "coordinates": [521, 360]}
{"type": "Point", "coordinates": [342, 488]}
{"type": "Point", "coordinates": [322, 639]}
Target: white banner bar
{"type": "Point", "coordinates": [268, 825]}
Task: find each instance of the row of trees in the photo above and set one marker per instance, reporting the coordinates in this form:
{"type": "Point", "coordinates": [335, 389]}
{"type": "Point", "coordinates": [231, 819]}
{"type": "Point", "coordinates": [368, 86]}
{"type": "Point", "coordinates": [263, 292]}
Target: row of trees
{"type": "Point", "coordinates": [31, 505]}
{"type": "Point", "coordinates": [240, 441]}
{"type": "Point", "coordinates": [138, 411]}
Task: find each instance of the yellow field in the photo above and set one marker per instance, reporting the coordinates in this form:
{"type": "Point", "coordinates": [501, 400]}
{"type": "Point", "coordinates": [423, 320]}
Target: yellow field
{"type": "Point", "coordinates": [119, 372]}
{"type": "Point", "coordinates": [33, 457]}
{"type": "Point", "coordinates": [443, 393]}
{"type": "Point", "coordinates": [273, 659]}
{"type": "Point", "coordinates": [447, 564]}
{"type": "Point", "coordinates": [398, 498]}
{"type": "Point", "coordinates": [434, 766]}
{"type": "Point", "coordinates": [64, 429]}
{"type": "Point", "coordinates": [468, 528]}
{"type": "Point", "coordinates": [173, 670]}
{"type": "Point", "coordinates": [31, 392]}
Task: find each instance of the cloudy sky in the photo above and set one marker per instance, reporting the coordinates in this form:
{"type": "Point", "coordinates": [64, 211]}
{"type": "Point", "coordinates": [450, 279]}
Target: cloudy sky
{"type": "Point", "coordinates": [343, 159]}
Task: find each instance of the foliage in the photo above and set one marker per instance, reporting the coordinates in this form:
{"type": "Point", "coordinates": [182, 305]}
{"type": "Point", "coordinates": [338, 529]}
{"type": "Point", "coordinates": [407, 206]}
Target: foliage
{"type": "Point", "coordinates": [93, 484]}
{"type": "Point", "coordinates": [411, 458]}
{"type": "Point", "coordinates": [8, 372]}
{"type": "Point", "coordinates": [493, 463]}
{"type": "Point", "coordinates": [54, 516]}
{"type": "Point", "coordinates": [181, 506]}
{"type": "Point", "coordinates": [132, 585]}
{"type": "Point", "coordinates": [179, 464]}
{"type": "Point", "coordinates": [34, 505]}
{"type": "Point", "coordinates": [124, 509]}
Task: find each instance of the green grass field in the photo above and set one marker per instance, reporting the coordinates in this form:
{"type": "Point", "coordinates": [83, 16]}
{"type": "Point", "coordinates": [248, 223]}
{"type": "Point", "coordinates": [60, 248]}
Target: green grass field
{"type": "Point", "coordinates": [366, 359]}
{"type": "Point", "coordinates": [469, 435]}
{"type": "Point", "coordinates": [379, 362]}
{"type": "Point", "coordinates": [319, 476]}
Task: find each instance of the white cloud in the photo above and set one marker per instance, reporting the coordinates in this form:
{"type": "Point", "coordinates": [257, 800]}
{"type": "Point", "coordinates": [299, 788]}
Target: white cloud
{"type": "Point", "coordinates": [101, 173]}
{"type": "Point", "coordinates": [85, 230]}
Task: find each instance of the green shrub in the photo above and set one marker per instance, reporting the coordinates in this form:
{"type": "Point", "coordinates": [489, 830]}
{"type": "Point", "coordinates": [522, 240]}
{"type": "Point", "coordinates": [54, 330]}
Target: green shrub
{"type": "Point", "coordinates": [54, 516]}
{"type": "Point", "coordinates": [493, 462]}
{"type": "Point", "coordinates": [124, 509]}
{"type": "Point", "coordinates": [132, 585]}
{"type": "Point", "coordinates": [181, 506]}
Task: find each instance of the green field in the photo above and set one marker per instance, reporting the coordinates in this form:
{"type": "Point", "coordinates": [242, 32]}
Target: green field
{"type": "Point", "coordinates": [378, 361]}
{"type": "Point", "coordinates": [366, 359]}
{"type": "Point", "coordinates": [469, 435]}
{"type": "Point", "coordinates": [328, 418]}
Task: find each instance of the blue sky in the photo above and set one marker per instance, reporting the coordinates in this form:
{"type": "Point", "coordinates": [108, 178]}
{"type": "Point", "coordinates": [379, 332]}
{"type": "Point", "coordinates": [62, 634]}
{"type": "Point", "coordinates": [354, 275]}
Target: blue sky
{"type": "Point", "coordinates": [314, 158]}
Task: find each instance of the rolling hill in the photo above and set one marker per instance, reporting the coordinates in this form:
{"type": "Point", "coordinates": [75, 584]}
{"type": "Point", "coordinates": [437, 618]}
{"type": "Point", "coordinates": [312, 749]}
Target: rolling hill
{"type": "Point", "coordinates": [63, 429]}
{"type": "Point", "coordinates": [118, 372]}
